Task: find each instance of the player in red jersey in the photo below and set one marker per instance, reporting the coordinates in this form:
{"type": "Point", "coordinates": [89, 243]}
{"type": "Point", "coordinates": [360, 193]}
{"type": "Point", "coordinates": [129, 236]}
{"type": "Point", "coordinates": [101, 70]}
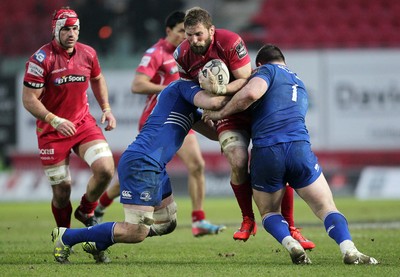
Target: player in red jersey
{"type": "Point", "coordinates": [205, 42]}
{"type": "Point", "coordinates": [56, 79]}
{"type": "Point", "coordinates": [156, 70]}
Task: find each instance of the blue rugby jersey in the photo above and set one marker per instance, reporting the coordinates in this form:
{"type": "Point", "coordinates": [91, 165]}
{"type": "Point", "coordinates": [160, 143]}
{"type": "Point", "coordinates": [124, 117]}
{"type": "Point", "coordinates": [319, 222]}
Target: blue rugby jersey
{"type": "Point", "coordinates": [168, 124]}
{"type": "Point", "coordinates": [279, 115]}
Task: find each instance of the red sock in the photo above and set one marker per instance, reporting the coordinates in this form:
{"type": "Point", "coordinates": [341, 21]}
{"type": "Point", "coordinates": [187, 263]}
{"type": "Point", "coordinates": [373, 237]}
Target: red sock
{"type": "Point", "coordinates": [287, 206]}
{"type": "Point", "coordinates": [198, 215]}
{"type": "Point", "coordinates": [105, 200]}
{"type": "Point", "coordinates": [244, 197]}
{"type": "Point", "coordinates": [87, 207]}
{"type": "Point", "coordinates": [63, 215]}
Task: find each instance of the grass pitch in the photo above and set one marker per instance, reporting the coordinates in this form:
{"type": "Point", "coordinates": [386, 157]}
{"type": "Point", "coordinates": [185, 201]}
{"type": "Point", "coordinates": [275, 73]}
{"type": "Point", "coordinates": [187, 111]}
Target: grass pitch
{"type": "Point", "coordinates": [26, 247]}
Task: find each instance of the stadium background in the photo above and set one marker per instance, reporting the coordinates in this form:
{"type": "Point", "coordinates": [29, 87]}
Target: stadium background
{"type": "Point", "coordinates": [347, 52]}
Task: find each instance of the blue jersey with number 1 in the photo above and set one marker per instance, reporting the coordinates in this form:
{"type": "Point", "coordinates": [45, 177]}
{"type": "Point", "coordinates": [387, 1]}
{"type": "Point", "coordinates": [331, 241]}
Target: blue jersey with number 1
{"type": "Point", "coordinates": [279, 115]}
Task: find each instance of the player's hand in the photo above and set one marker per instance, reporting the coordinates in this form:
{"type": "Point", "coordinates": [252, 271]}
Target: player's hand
{"type": "Point", "coordinates": [62, 125]}
{"type": "Point", "coordinates": [66, 127]}
{"type": "Point", "coordinates": [111, 121]}
{"type": "Point", "coordinates": [210, 116]}
{"type": "Point", "coordinates": [208, 82]}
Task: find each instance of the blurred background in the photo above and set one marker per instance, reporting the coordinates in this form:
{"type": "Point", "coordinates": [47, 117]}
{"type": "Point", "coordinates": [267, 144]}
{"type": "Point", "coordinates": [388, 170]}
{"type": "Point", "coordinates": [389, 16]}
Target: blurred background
{"type": "Point", "coordinates": [346, 51]}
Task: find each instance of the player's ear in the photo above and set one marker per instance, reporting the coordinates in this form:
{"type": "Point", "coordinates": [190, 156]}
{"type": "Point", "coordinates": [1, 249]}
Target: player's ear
{"type": "Point", "coordinates": [212, 30]}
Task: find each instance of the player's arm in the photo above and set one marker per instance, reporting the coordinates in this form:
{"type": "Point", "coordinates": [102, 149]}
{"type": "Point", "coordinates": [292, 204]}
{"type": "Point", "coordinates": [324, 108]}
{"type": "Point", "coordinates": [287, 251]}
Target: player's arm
{"type": "Point", "coordinates": [100, 91]}
{"type": "Point", "coordinates": [207, 101]}
{"type": "Point", "coordinates": [31, 102]}
{"type": "Point", "coordinates": [206, 130]}
{"type": "Point", "coordinates": [249, 94]}
{"type": "Point", "coordinates": [241, 75]}
{"type": "Point", "coordinates": [141, 84]}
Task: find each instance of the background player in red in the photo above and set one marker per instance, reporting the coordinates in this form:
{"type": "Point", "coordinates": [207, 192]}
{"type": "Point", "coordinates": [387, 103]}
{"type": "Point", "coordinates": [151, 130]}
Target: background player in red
{"type": "Point", "coordinates": [156, 70]}
{"type": "Point", "coordinates": [56, 79]}
{"type": "Point", "coordinates": [204, 42]}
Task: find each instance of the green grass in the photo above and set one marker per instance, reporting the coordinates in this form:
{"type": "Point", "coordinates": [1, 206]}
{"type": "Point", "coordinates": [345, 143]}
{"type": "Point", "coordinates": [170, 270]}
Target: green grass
{"type": "Point", "coordinates": [26, 248]}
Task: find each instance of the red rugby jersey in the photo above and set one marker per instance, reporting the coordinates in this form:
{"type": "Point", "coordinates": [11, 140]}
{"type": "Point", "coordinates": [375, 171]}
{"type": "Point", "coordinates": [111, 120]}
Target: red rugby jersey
{"type": "Point", "coordinates": [65, 80]}
{"type": "Point", "coordinates": [159, 64]}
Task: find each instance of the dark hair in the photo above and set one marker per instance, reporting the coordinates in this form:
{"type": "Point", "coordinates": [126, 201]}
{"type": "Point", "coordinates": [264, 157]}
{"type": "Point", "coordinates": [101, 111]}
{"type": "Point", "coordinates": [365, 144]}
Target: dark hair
{"type": "Point", "coordinates": [269, 53]}
{"type": "Point", "coordinates": [174, 19]}
{"type": "Point", "coordinates": [196, 16]}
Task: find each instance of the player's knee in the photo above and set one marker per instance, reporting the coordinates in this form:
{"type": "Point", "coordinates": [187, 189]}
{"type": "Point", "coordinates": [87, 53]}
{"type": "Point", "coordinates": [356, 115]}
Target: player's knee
{"type": "Point", "coordinates": [160, 229]}
{"type": "Point", "coordinates": [142, 219]}
{"type": "Point", "coordinates": [58, 175]}
{"type": "Point", "coordinates": [104, 175]}
{"type": "Point", "coordinates": [197, 166]}
{"type": "Point", "coordinates": [97, 151]}
{"type": "Point", "coordinates": [234, 139]}
{"type": "Point", "coordinates": [164, 220]}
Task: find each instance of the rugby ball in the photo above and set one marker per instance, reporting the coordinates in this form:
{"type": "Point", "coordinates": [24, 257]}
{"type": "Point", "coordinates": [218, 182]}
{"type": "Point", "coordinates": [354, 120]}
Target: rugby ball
{"type": "Point", "coordinates": [219, 69]}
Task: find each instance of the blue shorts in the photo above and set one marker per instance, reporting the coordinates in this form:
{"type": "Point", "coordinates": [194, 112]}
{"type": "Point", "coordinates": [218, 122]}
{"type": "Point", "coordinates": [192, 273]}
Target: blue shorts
{"type": "Point", "coordinates": [292, 162]}
{"type": "Point", "coordinates": [142, 181]}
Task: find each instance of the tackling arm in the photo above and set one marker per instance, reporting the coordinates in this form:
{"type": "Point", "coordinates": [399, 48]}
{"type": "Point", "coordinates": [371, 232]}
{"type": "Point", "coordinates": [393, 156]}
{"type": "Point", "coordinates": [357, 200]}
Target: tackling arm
{"type": "Point", "coordinates": [209, 101]}
{"type": "Point", "coordinates": [249, 94]}
{"type": "Point", "coordinates": [206, 130]}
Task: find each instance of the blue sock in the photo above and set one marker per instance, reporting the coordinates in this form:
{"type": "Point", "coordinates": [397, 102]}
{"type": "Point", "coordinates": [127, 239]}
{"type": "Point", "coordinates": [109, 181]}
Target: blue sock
{"type": "Point", "coordinates": [336, 227]}
{"type": "Point", "coordinates": [277, 226]}
{"type": "Point", "coordinates": [102, 235]}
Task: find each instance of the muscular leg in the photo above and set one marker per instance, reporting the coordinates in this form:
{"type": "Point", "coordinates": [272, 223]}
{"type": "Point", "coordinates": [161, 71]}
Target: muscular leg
{"type": "Point", "coordinates": [269, 207]}
{"type": "Point", "coordinates": [60, 180]}
{"type": "Point", "coordinates": [235, 148]}
{"type": "Point", "coordinates": [61, 204]}
{"type": "Point", "coordinates": [103, 170]}
{"type": "Point", "coordinates": [287, 210]}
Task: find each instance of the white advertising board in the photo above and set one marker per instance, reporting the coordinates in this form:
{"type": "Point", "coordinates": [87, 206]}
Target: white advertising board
{"type": "Point", "coordinates": [354, 102]}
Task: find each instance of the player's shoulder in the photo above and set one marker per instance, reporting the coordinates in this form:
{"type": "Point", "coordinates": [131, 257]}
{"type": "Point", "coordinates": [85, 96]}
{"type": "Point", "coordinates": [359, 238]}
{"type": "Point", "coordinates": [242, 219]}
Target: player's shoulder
{"type": "Point", "coordinates": [157, 47]}
{"type": "Point", "coordinates": [85, 49]}
{"type": "Point", "coordinates": [226, 37]}
{"type": "Point", "coordinates": [181, 50]}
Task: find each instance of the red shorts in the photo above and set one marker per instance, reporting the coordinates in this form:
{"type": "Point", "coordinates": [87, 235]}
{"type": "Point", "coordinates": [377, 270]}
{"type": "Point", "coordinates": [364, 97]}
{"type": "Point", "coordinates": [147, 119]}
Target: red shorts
{"type": "Point", "coordinates": [239, 121]}
{"type": "Point", "coordinates": [54, 147]}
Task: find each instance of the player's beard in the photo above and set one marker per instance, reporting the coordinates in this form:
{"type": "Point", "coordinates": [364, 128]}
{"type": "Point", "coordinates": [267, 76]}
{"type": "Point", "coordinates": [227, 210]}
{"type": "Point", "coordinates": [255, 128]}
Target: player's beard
{"type": "Point", "coordinates": [201, 49]}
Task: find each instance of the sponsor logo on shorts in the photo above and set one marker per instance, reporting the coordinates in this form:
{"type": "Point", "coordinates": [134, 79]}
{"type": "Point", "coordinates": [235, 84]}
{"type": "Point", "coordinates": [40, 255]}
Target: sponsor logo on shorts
{"type": "Point", "coordinates": [46, 151]}
{"type": "Point", "coordinates": [145, 196]}
{"type": "Point", "coordinates": [126, 194]}
{"type": "Point", "coordinates": [69, 79]}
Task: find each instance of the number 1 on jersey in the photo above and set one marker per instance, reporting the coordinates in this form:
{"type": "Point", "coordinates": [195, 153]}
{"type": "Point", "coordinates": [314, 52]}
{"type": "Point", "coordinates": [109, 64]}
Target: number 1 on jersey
{"type": "Point", "coordinates": [294, 93]}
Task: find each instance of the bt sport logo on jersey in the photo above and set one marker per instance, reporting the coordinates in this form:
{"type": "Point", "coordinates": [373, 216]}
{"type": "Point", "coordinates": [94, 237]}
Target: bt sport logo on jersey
{"type": "Point", "coordinates": [69, 79]}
